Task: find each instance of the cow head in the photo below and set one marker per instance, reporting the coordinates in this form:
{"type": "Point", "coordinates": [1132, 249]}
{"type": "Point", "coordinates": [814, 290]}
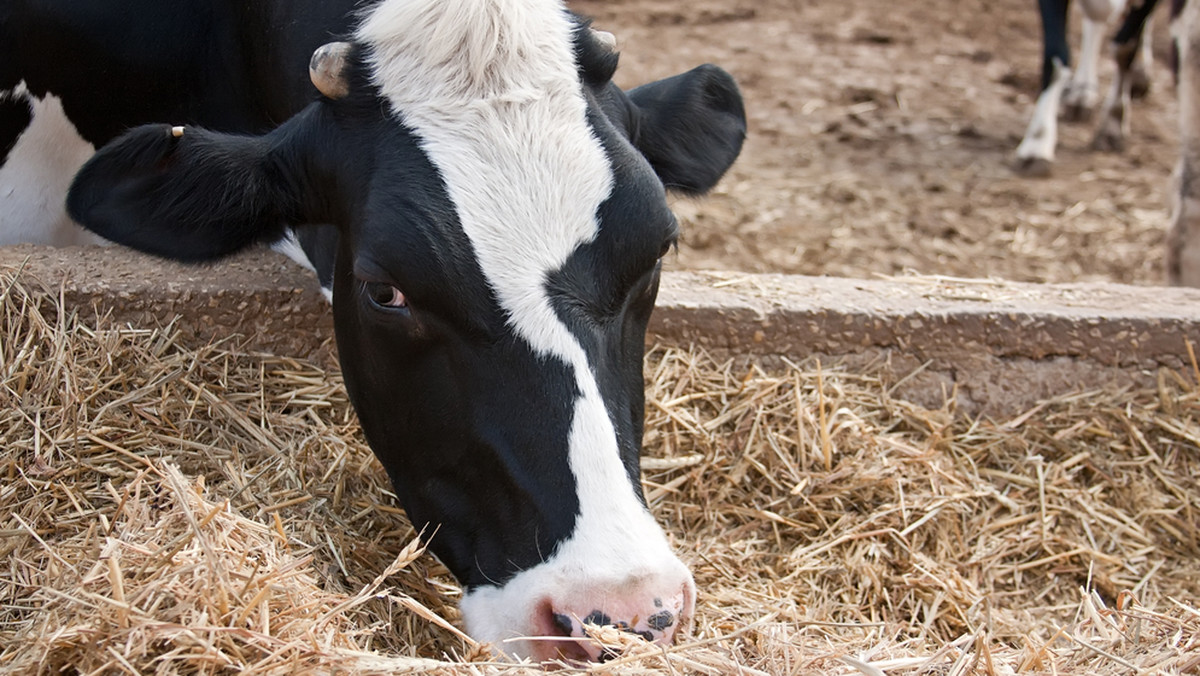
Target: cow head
{"type": "Point", "coordinates": [501, 213]}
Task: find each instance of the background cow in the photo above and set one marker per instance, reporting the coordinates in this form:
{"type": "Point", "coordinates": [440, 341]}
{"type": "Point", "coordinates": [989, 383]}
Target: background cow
{"type": "Point", "coordinates": [1077, 92]}
{"type": "Point", "coordinates": [496, 214]}
{"type": "Point", "coordinates": [1183, 239]}
{"type": "Point", "coordinates": [1131, 51]}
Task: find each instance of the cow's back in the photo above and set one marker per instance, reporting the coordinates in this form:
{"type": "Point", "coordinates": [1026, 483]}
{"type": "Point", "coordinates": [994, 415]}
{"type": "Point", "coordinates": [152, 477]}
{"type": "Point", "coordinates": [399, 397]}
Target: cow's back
{"type": "Point", "coordinates": [76, 73]}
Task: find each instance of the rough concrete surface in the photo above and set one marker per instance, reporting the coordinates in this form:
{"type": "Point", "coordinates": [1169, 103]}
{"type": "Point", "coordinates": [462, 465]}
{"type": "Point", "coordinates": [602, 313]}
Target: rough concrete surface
{"type": "Point", "coordinates": [991, 346]}
{"type": "Point", "coordinates": [261, 300]}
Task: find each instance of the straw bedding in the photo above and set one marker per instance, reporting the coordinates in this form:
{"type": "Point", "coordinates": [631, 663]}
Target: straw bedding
{"type": "Point", "coordinates": [177, 508]}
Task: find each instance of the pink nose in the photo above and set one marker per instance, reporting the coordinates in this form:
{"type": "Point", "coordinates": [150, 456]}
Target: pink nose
{"type": "Point", "coordinates": [656, 617]}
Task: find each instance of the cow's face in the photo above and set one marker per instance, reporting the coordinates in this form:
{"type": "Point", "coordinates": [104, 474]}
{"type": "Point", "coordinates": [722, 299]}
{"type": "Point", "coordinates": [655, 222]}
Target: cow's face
{"type": "Point", "coordinates": [502, 219]}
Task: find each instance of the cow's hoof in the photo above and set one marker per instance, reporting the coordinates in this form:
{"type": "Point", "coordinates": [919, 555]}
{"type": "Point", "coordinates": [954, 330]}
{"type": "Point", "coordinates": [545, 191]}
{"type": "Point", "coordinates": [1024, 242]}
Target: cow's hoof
{"type": "Point", "coordinates": [1107, 141]}
{"type": "Point", "coordinates": [1033, 167]}
{"type": "Point", "coordinates": [1139, 83]}
{"type": "Point", "coordinates": [1078, 112]}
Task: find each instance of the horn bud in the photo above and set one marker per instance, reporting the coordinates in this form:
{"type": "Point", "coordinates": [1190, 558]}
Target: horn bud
{"type": "Point", "coordinates": [327, 68]}
{"type": "Point", "coordinates": [605, 38]}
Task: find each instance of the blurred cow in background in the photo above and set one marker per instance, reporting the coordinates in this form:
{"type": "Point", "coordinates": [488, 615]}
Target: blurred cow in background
{"type": "Point", "coordinates": [1077, 92]}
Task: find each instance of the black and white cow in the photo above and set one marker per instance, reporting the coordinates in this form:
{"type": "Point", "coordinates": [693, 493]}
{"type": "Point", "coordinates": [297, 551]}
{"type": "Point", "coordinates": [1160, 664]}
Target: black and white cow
{"type": "Point", "coordinates": [497, 216]}
{"type": "Point", "coordinates": [1131, 51]}
{"type": "Point", "coordinates": [1078, 92]}
{"type": "Point", "coordinates": [1182, 260]}
{"type": "Point", "coordinates": [75, 73]}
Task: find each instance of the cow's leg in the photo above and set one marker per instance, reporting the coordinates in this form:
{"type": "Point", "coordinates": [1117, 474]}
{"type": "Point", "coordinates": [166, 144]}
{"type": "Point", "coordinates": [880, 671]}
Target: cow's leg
{"type": "Point", "coordinates": [1083, 90]}
{"type": "Point", "coordinates": [1035, 155]}
{"type": "Point", "coordinates": [1114, 118]}
{"type": "Point", "coordinates": [1183, 239]}
{"type": "Point", "coordinates": [1142, 62]}
{"type": "Point", "coordinates": [42, 153]}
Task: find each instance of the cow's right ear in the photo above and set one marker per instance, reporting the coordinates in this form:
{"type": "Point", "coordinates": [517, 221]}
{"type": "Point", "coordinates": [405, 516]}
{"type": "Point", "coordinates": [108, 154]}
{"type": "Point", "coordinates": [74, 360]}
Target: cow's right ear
{"type": "Point", "coordinates": [187, 193]}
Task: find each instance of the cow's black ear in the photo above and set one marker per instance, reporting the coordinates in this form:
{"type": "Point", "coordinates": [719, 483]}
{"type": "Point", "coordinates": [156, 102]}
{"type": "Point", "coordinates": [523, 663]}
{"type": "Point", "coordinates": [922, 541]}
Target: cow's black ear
{"type": "Point", "coordinates": [185, 193]}
{"type": "Point", "coordinates": [690, 127]}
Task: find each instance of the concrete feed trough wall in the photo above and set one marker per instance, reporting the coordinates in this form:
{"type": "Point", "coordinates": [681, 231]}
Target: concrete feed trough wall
{"type": "Point", "coordinates": [994, 347]}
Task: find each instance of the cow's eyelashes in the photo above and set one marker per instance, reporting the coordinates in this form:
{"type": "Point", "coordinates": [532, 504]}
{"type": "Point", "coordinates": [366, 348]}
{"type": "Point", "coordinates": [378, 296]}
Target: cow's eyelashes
{"type": "Point", "coordinates": [385, 295]}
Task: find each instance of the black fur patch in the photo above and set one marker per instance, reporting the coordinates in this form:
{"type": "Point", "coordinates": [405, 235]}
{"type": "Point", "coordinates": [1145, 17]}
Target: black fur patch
{"type": "Point", "coordinates": [15, 116]}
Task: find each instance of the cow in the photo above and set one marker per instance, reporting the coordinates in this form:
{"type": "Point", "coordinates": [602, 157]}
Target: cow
{"type": "Point", "coordinates": [1182, 259]}
{"type": "Point", "coordinates": [488, 212]}
{"type": "Point", "coordinates": [1077, 92]}
{"type": "Point", "coordinates": [1182, 251]}
{"type": "Point", "coordinates": [1129, 42]}
{"type": "Point", "coordinates": [73, 75]}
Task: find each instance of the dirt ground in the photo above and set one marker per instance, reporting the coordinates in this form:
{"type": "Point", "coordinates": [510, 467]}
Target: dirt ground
{"type": "Point", "coordinates": [881, 141]}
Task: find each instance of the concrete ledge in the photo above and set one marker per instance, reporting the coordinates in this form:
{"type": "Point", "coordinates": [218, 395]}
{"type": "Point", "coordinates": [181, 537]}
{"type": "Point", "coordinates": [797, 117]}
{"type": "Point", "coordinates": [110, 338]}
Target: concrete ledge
{"type": "Point", "coordinates": [990, 346]}
{"type": "Point", "coordinates": [273, 303]}
{"type": "Point", "coordinates": [995, 347]}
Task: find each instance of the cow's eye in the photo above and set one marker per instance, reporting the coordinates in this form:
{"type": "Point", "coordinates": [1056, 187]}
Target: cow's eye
{"type": "Point", "coordinates": [385, 295]}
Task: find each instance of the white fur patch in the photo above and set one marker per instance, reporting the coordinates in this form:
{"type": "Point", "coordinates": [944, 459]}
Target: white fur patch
{"type": "Point", "coordinates": [1041, 136]}
{"type": "Point", "coordinates": [1083, 91]}
{"type": "Point", "coordinates": [491, 90]}
{"type": "Point", "coordinates": [36, 175]}
{"type": "Point", "coordinates": [289, 246]}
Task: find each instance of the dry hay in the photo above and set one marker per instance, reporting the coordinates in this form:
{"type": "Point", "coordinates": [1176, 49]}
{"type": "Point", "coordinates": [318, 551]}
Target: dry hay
{"type": "Point", "coordinates": [175, 508]}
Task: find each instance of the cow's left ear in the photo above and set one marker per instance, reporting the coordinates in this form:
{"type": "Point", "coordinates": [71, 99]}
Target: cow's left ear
{"type": "Point", "coordinates": [690, 127]}
{"type": "Point", "coordinates": [190, 194]}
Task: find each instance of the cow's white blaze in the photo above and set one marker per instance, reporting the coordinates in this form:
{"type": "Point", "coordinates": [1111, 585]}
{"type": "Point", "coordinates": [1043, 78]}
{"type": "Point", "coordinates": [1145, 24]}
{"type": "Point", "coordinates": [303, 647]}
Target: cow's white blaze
{"type": "Point", "coordinates": [491, 90]}
{"type": "Point", "coordinates": [37, 173]}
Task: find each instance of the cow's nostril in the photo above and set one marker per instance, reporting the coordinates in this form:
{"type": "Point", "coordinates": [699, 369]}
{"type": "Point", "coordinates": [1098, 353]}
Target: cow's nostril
{"type": "Point", "coordinates": [567, 627]}
{"type": "Point", "coordinates": [563, 624]}
{"type": "Point", "coordinates": [557, 628]}
{"type": "Point", "coordinates": [597, 618]}
{"type": "Point", "coordinates": [660, 620]}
